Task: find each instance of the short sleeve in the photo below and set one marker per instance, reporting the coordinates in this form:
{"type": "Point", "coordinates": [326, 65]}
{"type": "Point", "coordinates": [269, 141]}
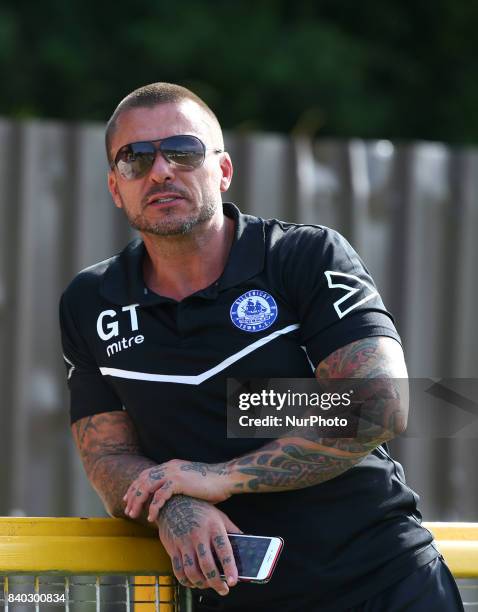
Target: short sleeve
{"type": "Point", "coordinates": [334, 294]}
{"type": "Point", "coordinates": [89, 393]}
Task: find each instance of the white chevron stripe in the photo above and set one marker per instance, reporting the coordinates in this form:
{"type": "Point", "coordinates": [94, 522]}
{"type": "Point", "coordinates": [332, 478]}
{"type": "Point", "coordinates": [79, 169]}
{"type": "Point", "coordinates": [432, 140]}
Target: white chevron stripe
{"type": "Point", "coordinates": [199, 378]}
{"type": "Point", "coordinates": [72, 367]}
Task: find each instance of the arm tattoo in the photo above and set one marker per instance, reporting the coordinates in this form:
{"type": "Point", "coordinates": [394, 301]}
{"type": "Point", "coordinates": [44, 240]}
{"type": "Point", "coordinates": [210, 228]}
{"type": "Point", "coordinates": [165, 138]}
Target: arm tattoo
{"type": "Point", "coordinates": [305, 458]}
{"type": "Point", "coordinates": [112, 457]}
{"type": "Point", "coordinates": [363, 359]}
{"type": "Point", "coordinates": [205, 468]}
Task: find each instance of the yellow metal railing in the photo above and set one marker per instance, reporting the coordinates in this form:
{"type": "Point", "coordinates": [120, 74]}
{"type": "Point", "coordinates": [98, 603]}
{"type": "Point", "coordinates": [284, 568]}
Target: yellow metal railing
{"type": "Point", "coordinates": [95, 548]}
{"type": "Point", "coordinates": [458, 543]}
{"type": "Point", "coordinates": [85, 547]}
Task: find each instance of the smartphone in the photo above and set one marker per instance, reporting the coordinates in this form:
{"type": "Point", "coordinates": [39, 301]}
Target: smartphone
{"type": "Point", "coordinates": [255, 556]}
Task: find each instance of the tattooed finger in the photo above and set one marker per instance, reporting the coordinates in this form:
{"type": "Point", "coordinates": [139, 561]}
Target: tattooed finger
{"type": "Point", "coordinates": [210, 569]}
{"type": "Point", "coordinates": [219, 541]}
{"type": "Point", "coordinates": [159, 499]}
{"type": "Point", "coordinates": [187, 560]}
{"type": "Point", "coordinates": [179, 572]}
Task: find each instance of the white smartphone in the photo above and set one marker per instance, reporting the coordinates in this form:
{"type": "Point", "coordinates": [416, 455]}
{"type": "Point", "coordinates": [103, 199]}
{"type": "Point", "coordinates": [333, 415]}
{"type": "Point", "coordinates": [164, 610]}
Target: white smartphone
{"type": "Point", "coordinates": [255, 556]}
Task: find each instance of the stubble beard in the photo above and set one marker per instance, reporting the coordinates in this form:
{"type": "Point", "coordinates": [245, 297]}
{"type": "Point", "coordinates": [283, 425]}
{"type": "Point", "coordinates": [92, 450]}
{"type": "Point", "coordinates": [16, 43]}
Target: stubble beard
{"type": "Point", "coordinates": [170, 224]}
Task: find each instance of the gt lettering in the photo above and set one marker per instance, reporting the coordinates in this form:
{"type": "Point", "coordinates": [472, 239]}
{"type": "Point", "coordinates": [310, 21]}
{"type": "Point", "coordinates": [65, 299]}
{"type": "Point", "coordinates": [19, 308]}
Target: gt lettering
{"type": "Point", "coordinates": [109, 330]}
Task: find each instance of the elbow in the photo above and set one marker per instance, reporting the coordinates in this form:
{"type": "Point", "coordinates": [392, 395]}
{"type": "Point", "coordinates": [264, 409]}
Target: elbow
{"type": "Point", "coordinates": [398, 425]}
{"type": "Point", "coordinates": [113, 506]}
{"type": "Point", "coordinates": [401, 423]}
{"type": "Point", "coordinates": [115, 511]}
{"type": "Point", "coordinates": [111, 503]}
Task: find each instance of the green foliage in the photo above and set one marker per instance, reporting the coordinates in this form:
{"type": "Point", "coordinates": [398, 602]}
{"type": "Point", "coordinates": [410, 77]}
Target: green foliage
{"type": "Point", "coordinates": [395, 68]}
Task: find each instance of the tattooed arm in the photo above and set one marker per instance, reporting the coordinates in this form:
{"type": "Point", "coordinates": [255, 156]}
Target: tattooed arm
{"type": "Point", "coordinates": [301, 458]}
{"type": "Point", "coordinates": [111, 455]}
{"type": "Point", "coordinates": [190, 529]}
{"type": "Point", "coordinates": [306, 459]}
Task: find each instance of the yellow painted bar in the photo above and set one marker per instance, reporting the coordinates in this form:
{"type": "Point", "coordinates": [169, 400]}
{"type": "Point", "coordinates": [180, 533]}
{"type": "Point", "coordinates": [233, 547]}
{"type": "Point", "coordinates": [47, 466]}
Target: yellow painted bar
{"type": "Point", "coordinates": [458, 543]}
{"type": "Point", "coordinates": [80, 546]}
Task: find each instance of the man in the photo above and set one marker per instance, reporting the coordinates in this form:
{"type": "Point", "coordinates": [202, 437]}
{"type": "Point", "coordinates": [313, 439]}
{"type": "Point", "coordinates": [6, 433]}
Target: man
{"type": "Point", "coordinates": [150, 337]}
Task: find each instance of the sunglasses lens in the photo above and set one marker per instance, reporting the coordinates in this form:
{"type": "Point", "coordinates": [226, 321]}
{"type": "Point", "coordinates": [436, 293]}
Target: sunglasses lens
{"type": "Point", "coordinates": [187, 152]}
{"type": "Point", "coordinates": [135, 160]}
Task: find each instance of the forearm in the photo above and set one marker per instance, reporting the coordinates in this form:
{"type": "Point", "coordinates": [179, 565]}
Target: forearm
{"type": "Point", "coordinates": [301, 458]}
{"type": "Point", "coordinates": [287, 463]}
{"type": "Point", "coordinates": [111, 477]}
{"type": "Point", "coordinates": [292, 463]}
{"type": "Point", "coordinates": [112, 457]}
{"type": "Point", "coordinates": [375, 371]}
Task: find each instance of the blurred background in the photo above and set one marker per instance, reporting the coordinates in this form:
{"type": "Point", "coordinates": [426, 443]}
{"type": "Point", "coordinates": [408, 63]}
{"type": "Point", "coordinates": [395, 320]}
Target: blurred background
{"type": "Point", "coordinates": [360, 116]}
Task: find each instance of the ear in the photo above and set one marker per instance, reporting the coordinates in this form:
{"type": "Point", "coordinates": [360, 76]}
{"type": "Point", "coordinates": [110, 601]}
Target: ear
{"type": "Point", "coordinates": [113, 189]}
{"type": "Point", "coordinates": [227, 171]}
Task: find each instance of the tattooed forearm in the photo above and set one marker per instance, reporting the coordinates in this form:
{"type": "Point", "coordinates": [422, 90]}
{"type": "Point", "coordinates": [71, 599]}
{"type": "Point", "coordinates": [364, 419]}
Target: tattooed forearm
{"type": "Point", "coordinates": [113, 475]}
{"type": "Point", "coordinates": [112, 457]}
{"type": "Point", "coordinates": [109, 433]}
{"type": "Point", "coordinates": [305, 458]}
{"type": "Point", "coordinates": [205, 468]}
{"type": "Point", "coordinates": [294, 466]}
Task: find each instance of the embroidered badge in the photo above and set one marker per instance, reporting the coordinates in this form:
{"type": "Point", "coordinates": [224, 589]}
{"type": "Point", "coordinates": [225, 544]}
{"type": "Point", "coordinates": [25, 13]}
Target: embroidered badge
{"type": "Point", "coordinates": [254, 311]}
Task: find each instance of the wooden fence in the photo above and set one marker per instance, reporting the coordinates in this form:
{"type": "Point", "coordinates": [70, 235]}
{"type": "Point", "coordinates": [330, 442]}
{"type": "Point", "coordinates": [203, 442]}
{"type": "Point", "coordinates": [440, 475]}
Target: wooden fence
{"type": "Point", "coordinates": [411, 210]}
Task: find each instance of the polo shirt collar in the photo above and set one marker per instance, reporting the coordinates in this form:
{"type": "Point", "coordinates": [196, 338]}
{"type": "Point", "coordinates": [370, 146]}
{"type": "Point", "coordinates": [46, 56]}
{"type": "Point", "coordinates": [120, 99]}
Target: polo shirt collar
{"type": "Point", "coordinates": [123, 280]}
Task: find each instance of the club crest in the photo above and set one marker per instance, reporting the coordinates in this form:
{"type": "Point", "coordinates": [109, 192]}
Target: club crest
{"type": "Point", "coordinates": [254, 311]}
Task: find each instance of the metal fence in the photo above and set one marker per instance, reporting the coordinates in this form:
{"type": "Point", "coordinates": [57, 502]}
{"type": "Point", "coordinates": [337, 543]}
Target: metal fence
{"type": "Point", "coordinates": [93, 565]}
{"type": "Point", "coordinates": [85, 565]}
{"type": "Point", "coordinates": [411, 211]}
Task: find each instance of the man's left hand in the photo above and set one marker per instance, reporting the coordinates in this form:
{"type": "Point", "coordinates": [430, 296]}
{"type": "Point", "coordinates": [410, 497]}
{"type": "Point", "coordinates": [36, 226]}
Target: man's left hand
{"type": "Point", "coordinates": [200, 480]}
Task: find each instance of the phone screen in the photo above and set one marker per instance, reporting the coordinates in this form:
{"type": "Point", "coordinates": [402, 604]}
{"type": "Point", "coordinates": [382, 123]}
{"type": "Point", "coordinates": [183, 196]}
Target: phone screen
{"type": "Point", "coordinates": [249, 553]}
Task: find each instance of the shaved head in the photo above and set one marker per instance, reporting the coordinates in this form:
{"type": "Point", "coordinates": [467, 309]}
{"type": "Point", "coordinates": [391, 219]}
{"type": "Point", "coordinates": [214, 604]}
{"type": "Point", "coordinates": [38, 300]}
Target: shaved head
{"type": "Point", "coordinates": [155, 94]}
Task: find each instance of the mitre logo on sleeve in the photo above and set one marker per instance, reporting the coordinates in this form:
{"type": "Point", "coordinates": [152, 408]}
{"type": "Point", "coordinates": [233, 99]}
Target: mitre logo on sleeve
{"type": "Point", "coordinates": [254, 311]}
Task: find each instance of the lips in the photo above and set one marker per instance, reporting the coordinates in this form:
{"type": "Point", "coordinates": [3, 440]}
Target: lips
{"type": "Point", "coordinates": [163, 198]}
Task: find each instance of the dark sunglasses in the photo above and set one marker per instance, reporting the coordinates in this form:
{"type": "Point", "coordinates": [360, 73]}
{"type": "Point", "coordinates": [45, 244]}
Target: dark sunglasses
{"type": "Point", "coordinates": [184, 152]}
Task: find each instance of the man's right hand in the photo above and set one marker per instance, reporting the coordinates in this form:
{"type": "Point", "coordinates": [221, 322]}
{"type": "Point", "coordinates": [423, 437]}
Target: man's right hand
{"type": "Point", "coordinates": [190, 530]}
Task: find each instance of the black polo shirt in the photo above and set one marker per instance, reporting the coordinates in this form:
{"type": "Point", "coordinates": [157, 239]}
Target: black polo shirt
{"type": "Point", "coordinates": [289, 296]}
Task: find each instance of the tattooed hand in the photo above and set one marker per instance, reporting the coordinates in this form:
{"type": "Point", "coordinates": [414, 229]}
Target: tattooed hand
{"type": "Point", "coordinates": [201, 480]}
{"type": "Point", "coordinates": [191, 531]}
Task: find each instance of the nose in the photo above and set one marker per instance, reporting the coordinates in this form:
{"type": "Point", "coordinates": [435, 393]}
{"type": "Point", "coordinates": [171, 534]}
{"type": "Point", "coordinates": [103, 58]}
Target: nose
{"type": "Point", "coordinates": [161, 170]}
